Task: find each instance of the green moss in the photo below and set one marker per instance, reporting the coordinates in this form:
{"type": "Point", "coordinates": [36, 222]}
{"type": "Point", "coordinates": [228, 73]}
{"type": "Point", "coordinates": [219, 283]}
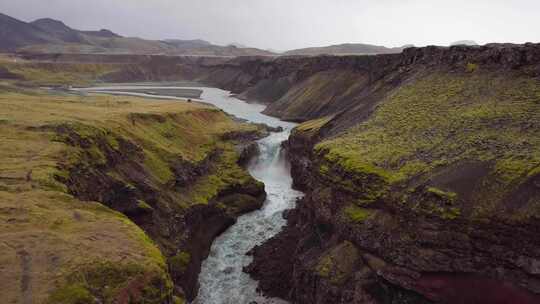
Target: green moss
{"type": "Point", "coordinates": [357, 214]}
{"type": "Point", "coordinates": [512, 168]}
{"type": "Point", "coordinates": [472, 67]}
{"type": "Point", "coordinates": [178, 263]}
{"type": "Point", "coordinates": [71, 294]}
{"type": "Point", "coordinates": [51, 184]}
{"type": "Point", "coordinates": [367, 183]}
{"type": "Point", "coordinates": [158, 167]}
{"type": "Point", "coordinates": [53, 74]}
{"type": "Point", "coordinates": [325, 266]}
{"type": "Point", "coordinates": [354, 165]}
{"type": "Point", "coordinates": [107, 282]}
{"type": "Point", "coordinates": [337, 264]}
{"type": "Point", "coordinates": [224, 174]}
{"type": "Point", "coordinates": [324, 169]}
{"type": "Point", "coordinates": [178, 300]}
{"type": "Point", "coordinates": [311, 127]}
{"type": "Point", "coordinates": [91, 140]}
{"type": "Point", "coordinates": [112, 142]}
{"type": "Point", "coordinates": [534, 172]}
{"type": "Point", "coordinates": [442, 194]}
{"type": "Point", "coordinates": [142, 205]}
{"type": "Point", "coordinates": [91, 144]}
{"type": "Point", "coordinates": [439, 120]}
{"type": "Point", "coordinates": [451, 213]}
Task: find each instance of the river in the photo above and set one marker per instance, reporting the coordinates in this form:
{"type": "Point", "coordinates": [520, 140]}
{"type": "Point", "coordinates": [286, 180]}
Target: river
{"type": "Point", "coordinates": [222, 280]}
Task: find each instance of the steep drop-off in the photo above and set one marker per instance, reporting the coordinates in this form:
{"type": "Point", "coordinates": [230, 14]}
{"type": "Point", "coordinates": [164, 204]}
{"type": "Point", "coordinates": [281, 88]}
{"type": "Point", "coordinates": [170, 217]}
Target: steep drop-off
{"type": "Point", "coordinates": [299, 88]}
{"type": "Point", "coordinates": [80, 176]}
{"type": "Point", "coordinates": [420, 170]}
{"type": "Point", "coordinates": [425, 189]}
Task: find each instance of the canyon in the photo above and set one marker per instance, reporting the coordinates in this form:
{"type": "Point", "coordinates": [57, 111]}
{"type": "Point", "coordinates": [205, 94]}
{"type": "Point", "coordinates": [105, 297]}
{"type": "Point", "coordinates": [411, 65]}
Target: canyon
{"type": "Point", "coordinates": [421, 170]}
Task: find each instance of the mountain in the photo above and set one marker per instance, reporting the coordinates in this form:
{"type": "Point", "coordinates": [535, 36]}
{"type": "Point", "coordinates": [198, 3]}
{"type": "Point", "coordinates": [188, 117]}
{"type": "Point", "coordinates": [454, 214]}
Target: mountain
{"type": "Point", "coordinates": [345, 49]}
{"type": "Point", "coordinates": [238, 45]}
{"type": "Point", "coordinates": [196, 43]}
{"type": "Point", "coordinates": [103, 33]}
{"type": "Point", "coordinates": [48, 35]}
{"type": "Point", "coordinates": [58, 30]}
{"type": "Point", "coordinates": [464, 42]}
{"type": "Point", "coordinates": [15, 33]}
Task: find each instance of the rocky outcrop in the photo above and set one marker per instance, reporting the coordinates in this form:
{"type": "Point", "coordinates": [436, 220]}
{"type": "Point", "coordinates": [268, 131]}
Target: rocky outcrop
{"type": "Point", "coordinates": [300, 88]}
{"type": "Point", "coordinates": [109, 167]}
{"type": "Point", "coordinates": [390, 254]}
{"type": "Point", "coordinates": [416, 202]}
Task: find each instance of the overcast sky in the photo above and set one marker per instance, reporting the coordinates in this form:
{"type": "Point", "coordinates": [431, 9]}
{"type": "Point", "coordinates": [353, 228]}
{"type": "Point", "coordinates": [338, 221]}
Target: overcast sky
{"type": "Point", "coordinates": [289, 24]}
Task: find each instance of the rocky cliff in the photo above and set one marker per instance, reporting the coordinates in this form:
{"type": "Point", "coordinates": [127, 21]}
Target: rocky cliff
{"type": "Point", "coordinates": [300, 89]}
{"type": "Point", "coordinates": [421, 171]}
{"type": "Point", "coordinates": [425, 189]}
{"type": "Point", "coordinates": [115, 199]}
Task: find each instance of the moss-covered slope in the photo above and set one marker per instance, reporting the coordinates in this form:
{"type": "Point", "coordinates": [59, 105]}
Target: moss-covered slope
{"type": "Point", "coordinates": [443, 129]}
{"type": "Point", "coordinates": [80, 177]}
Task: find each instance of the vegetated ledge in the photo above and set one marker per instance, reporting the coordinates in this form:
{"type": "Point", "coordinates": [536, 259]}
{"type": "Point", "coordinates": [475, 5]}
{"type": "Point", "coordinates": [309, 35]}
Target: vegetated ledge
{"type": "Point", "coordinates": [432, 195]}
{"type": "Point", "coordinates": [82, 175]}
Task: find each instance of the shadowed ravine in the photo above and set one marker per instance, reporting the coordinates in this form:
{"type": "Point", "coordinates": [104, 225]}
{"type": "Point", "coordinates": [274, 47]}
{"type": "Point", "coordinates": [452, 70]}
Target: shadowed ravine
{"type": "Point", "coordinates": [222, 279]}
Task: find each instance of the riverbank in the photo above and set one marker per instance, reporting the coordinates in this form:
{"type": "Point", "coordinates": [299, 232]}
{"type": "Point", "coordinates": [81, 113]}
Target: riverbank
{"type": "Point", "coordinates": [222, 278]}
{"type": "Point", "coordinates": [127, 191]}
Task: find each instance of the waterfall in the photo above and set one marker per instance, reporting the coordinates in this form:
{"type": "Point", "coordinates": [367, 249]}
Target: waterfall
{"type": "Point", "coordinates": [222, 280]}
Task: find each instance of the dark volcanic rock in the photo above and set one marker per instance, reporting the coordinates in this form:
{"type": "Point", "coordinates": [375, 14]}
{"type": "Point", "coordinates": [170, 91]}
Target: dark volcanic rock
{"type": "Point", "coordinates": [351, 244]}
{"type": "Point", "coordinates": [116, 177]}
{"type": "Point", "coordinates": [247, 153]}
{"type": "Point", "coordinates": [399, 256]}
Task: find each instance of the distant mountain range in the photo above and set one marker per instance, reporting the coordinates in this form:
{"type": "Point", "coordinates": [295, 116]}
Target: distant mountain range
{"type": "Point", "coordinates": [53, 36]}
{"type": "Point", "coordinates": [346, 49]}
{"type": "Point", "coordinates": [464, 42]}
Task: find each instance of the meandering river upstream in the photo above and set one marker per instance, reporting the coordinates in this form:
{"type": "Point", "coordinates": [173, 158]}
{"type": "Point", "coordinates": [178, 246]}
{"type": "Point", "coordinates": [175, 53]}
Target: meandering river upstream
{"type": "Point", "coordinates": [222, 280]}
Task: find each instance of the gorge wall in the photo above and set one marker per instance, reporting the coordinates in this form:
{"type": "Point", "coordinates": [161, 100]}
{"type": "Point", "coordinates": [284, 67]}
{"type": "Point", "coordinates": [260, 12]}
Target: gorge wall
{"type": "Point", "coordinates": [115, 199]}
{"type": "Point", "coordinates": [421, 173]}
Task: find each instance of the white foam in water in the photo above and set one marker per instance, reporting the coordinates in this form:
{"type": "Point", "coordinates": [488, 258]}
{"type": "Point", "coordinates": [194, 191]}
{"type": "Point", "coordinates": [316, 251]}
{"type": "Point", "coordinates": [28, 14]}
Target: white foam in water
{"type": "Point", "coordinates": [222, 280]}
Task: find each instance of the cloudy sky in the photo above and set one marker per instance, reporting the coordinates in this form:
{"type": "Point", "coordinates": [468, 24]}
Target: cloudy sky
{"type": "Point", "coordinates": [289, 24]}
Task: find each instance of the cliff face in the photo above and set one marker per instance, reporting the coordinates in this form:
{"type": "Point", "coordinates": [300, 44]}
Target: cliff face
{"type": "Point", "coordinates": [182, 201]}
{"type": "Point", "coordinates": [115, 199]}
{"type": "Point", "coordinates": [421, 172]}
{"type": "Point", "coordinates": [299, 88]}
{"type": "Point", "coordinates": [428, 195]}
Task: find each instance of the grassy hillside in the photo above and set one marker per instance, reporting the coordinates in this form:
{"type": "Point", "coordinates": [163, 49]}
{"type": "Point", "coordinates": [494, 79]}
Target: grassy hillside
{"type": "Point", "coordinates": [53, 74]}
{"type": "Point", "coordinates": [324, 93]}
{"type": "Point", "coordinates": [61, 246]}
